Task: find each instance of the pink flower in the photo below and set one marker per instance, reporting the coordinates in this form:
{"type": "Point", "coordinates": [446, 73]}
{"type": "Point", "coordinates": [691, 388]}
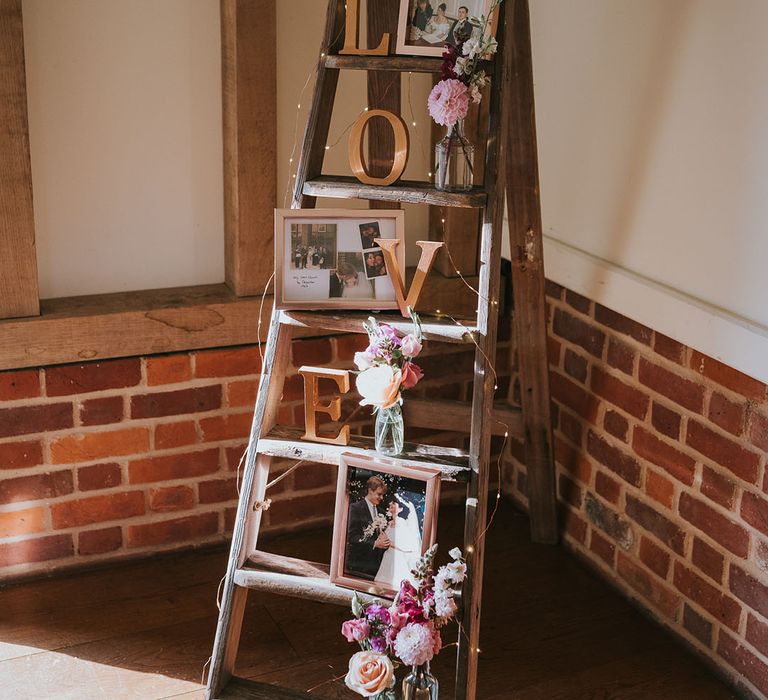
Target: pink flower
{"type": "Point", "coordinates": [414, 644]}
{"type": "Point", "coordinates": [448, 102]}
{"type": "Point", "coordinates": [379, 386]}
{"type": "Point", "coordinates": [355, 630]}
{"type": "Point", "coordinates": [412, 375]}
{"type": "Point", "coordinates": [438, 643]}
{"type": "Point", "coordinates": [369, 673]}
{"type": "Point", "coordinates": [410, 346]}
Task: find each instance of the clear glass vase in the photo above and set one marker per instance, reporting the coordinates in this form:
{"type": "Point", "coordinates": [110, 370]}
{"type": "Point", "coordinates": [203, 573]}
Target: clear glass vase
{"type": "Point", "coordinates": [420, 684]}
{"type": "Point", "coordinates": [389, 430]}
{"type": "Point", "coordinates": [454, 156]}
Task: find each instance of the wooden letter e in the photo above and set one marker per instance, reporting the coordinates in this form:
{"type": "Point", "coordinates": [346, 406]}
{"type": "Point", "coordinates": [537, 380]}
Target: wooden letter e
{"type": "Point", "coordinates": [313, 406]}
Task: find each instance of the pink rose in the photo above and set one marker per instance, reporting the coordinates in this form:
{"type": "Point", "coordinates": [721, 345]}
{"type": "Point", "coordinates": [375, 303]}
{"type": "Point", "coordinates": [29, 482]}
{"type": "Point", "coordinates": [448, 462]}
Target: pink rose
{"type": "Point", "coordinates": [448, 102]}
{"type": "Point", "coordinates": [412, 375]}
{"type": "Point", "coordinates": [379, 386]}
{"type": "Point", "coordinates": [369, 673]}
{"type": "Point", "coordinates": [410, 346]}
{"type": "Point", "coordinates": [355, 630]}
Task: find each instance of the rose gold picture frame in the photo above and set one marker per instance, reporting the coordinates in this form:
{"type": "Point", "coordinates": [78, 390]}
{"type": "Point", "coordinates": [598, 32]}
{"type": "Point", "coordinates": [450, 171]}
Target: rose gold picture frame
{"type": "Point", "coordinates": [406, 44]}
{"type": "Point", "coordinates": [320, 263]}
{"type": "Point", "coordinates": [356, 560]}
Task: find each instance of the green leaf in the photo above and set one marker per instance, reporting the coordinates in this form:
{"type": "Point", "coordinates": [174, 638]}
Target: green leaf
{"type": "Point", "coordinates": [357, 605]}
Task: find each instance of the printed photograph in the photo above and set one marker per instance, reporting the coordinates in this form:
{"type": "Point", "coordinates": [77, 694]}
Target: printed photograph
{"type": "Point", "coordinates": [384, 526]}
{"type": "Point", "coordinates": [313, 246]}
{"type": "Point", "coordinates": [349, 279]}
{"type": "Point", "coordinates": [385, 521]}
{"type": "Point", "coordinates": [374, 264]}
{"type": "Point", "coordinates": [369, 232]}
{"type": "Point", "coordinates": [425, 25]}
{"type": "Point", "coordinates": [320, 262]}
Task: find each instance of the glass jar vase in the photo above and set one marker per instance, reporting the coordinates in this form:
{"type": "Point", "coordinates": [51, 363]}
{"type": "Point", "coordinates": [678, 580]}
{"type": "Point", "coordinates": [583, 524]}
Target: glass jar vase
{"type": "Point", "coordinates": [454, 156]}
{"type": "Point", "coordinates": [389, 430]}
{"type": "Point", "coordinates": [420, 684]}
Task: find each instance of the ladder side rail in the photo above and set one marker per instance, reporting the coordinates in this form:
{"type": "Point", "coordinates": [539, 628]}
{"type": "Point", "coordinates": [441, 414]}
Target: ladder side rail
{"type": "Point", "coordinates": [485, 378]}
{"type": "Point", "coordinates": [233, 598]}
{"type": "Point", "coordinates": [320, 113]}
{"type": "Point", "coordinates": [529, 317]}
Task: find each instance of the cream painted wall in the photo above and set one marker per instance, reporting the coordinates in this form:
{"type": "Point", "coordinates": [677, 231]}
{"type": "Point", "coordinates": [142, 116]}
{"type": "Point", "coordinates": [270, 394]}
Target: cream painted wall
{"type": "Point", "coordinates": [654, 163]}
{"type": "Point", "coordinates": [125, 132]}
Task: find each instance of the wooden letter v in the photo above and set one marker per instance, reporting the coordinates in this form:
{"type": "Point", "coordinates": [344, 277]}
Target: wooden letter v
{"type": "Point", "coordinates": [428, 254]}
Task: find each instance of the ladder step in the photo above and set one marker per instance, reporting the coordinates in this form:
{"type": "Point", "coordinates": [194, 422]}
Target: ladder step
{"type": "Point", "coordinates": [433, 327]}
{"type": "Point", "coordinates": [287, 443]}
{"type": "Point", "coordinates": [243, 689]}
{"type": "Point", "coordinates": [409, 191]}
{"type": "Point", "coordinates": [413, 64]}
{"type": "Point", "coordinates": [295, 578]}
{"type": "Point", "coordinates": [455, 416]}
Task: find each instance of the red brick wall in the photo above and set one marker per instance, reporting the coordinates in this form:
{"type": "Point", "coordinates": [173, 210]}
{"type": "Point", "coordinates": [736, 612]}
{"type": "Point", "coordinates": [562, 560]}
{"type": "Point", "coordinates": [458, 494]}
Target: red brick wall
{"type": "Point", "coordinates": [108, 459]}
{"type": "Point", "coordinates": [661, 471]}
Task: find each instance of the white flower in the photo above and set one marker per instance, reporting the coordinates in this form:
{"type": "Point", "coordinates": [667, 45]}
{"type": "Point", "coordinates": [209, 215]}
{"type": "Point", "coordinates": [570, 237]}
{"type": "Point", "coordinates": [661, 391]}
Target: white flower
{"type": "Point", "coordinates": [490, 45]}
{"type": "Point", "coordinates": [475, 94]}
{"type": "Point", "coordinates": [457, 571]}
{"type": "Point", "coordinates": [427, 607]}
{"type": "Point", "coordinates": [441, 580]}
{"type": "Point", "coordinates": [445, 606]}
{"type": "Point", "coordinates": [471, 47]}
{"type": "Point", "coordinates": [410, 345]}
{"type": "Point", "coordinates": [461, 66]}
{"type": "Point", "coordinates": [414, 644]}
{"type": "Point", "coordinates": [455, 553]}
{"type": "Point", "coordinates": [363, 360]}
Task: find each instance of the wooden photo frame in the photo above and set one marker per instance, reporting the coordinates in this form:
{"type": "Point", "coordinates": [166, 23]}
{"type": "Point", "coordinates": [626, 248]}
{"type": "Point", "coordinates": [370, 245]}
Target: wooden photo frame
{"type": "Point", "coordinates": [374, 555]}
{"type": "Point", "coordinates": [324, 258]}
{"type": "Point", "coordinates": [425, 27]}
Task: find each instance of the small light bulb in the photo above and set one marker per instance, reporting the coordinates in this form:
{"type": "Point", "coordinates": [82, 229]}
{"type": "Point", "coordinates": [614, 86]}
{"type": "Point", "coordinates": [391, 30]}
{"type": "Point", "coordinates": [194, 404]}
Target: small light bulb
{"type": "Point", "coordinates": [322, 55]}
{"type": "Point", "coordinates": [506, 434]}
{"type": "Point", "coordinates": [495, 386]}
{"type": "Point", "coordinates": [290, 160]}
{"type": "Point", "coordinates": [414, 123]}
{"type": "Point", "coordinates": [443, 220]}
{"type": "Point", "coordinates": [299, 105]}
{"type": "Point", "coordinates": [437, 311]}
{"type": "Point", "coordinates": [430, 174]}
{"type": "Point", "coordinates": [470, 549]}
{"type": "Point", "coordinates": [327, 148]}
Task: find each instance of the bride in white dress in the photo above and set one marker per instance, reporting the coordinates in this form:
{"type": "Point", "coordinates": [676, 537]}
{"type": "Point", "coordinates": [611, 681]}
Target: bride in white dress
{"type": "Point", "coordinates": [438, 27]}
{"type": "Point", "coordinates": [405, 536]}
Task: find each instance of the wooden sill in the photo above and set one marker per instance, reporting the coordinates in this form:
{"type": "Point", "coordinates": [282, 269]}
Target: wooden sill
{"type": "Point", "coordinates": [77, 329]}
{"type": "Point", "coordinates": [98, 327]}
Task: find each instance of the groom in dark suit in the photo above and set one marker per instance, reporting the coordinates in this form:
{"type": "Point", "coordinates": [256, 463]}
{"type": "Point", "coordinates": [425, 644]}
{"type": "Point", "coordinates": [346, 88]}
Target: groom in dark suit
{"type": "Point", "coordinates": [364, 553]}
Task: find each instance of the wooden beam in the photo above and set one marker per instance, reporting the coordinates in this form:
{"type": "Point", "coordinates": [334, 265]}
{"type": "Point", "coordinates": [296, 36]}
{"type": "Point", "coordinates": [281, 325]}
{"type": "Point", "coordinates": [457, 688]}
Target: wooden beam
{"type": "Point", "coordinates": [524, 213]}
{"type": "Point", "coordinates": [249, 104]}
{"type": "Point", "coordinates": [383, 93]}
{"type": "Point", "coordinates": [18, 263]}
{"type": "Point", "coordinates": [132, 323]}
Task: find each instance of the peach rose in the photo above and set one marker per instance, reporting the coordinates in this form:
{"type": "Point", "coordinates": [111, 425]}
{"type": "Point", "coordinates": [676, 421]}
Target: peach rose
{"type": "Point", "coordinates": [379, 386]}
{"type": "Point", "coordinates": [412, 375]}
{"type": "Point", "coordinates": [369, 673]}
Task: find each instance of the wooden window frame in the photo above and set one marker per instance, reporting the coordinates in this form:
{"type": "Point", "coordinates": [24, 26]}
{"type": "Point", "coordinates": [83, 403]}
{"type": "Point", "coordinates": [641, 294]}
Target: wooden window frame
{"type": "Point", "coordinates": [35, 332]}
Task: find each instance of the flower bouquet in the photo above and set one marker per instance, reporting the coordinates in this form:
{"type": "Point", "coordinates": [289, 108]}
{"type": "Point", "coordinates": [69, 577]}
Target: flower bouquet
{"type": "Point", "coordinates": [386, 369]}
{"type": "Point", "coordinates": [407, 632]}
{"type": "Point", "coordinates": [448, 103]}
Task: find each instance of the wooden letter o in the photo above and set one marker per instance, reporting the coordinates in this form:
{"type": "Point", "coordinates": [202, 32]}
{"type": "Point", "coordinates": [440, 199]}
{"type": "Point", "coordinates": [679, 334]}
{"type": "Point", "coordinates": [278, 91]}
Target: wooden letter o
{"type": "Point", "coordinates": [356, 161]}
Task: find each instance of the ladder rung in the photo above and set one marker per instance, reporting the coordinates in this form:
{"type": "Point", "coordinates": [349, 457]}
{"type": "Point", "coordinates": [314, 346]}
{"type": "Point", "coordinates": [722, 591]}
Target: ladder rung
{"type": "Point", "coordinates": [414, 64]}
{"type": "Point", "coordinates": [295, 578]}
{"type": "Point", "coordinates": [409, 191]}
{"type": "Point", "coordinates": [456, 416]}
{"type": "Point", "coordinates": [287, 443]}
{"type": "Point", "coordinates": [433, 327]}
{"type": "Point", "coordinates": [243, 689]}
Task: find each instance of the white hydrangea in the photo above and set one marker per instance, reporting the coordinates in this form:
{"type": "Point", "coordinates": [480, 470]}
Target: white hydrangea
{"type": "Point", "coordinates": [445, 606]}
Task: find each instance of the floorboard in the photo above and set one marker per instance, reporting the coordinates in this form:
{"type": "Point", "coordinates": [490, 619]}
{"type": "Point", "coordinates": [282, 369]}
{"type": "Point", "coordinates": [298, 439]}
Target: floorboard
{"type": "Point", "coordinates": [551, 631]}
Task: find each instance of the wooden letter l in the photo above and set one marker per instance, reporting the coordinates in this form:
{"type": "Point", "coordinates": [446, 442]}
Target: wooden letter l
{"type": "Point", "coordinates": [312, 404]}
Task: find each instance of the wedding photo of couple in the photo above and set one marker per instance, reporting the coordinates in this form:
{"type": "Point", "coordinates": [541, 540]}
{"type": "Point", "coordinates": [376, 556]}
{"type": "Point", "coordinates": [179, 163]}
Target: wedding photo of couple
{"type": "Point", "coordinates": [426, 25]}
{"type": "Point", "coordinates": [383, 534]}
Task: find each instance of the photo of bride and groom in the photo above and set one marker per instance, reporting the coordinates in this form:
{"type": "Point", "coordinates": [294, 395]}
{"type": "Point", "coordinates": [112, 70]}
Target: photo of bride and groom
{"type": "Point", "coordinates": [388, 524]}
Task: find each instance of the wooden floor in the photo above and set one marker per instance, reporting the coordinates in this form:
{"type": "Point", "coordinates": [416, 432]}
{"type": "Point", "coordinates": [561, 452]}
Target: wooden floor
{"type": "Point", "coordinates": [551, 631]}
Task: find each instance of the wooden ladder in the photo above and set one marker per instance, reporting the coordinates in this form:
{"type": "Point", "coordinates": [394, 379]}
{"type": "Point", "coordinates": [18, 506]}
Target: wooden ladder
{"type": "Point", "coordinates": [510, 152]}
